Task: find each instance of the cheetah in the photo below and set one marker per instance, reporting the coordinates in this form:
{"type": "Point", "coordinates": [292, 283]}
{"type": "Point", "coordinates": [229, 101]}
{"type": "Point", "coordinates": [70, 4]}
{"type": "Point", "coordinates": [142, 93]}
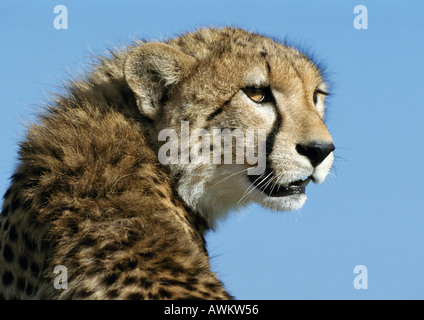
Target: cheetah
{"type": "Point", "coordinates": [90, 194]}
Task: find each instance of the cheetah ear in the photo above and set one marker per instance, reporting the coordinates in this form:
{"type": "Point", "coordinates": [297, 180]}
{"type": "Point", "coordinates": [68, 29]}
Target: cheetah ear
{"type": "Point", "coordinates": [153, 69]}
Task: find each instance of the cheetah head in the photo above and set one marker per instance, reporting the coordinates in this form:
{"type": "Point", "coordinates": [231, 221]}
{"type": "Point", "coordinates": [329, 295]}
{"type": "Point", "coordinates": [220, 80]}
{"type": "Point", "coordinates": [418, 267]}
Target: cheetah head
{"type": "Point", "coordinates": [217, 79]}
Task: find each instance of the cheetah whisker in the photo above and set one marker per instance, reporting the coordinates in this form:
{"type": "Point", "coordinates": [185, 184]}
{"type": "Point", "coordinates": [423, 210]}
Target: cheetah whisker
{"type": "Point", "coordinates": [227, 177]}
{"type": "Point", "coordinates": [252, 186]}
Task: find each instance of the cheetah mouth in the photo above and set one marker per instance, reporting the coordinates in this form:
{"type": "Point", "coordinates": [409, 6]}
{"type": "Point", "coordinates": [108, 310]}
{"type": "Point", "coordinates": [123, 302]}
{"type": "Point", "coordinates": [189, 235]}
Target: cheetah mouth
{"type": "Point", "coordinates": [266, 186]}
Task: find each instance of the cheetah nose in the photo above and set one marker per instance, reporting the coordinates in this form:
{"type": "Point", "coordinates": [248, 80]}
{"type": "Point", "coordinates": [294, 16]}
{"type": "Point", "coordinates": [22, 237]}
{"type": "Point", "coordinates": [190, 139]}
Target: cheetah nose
{"type": "Point", "coordinates": [316, 152]}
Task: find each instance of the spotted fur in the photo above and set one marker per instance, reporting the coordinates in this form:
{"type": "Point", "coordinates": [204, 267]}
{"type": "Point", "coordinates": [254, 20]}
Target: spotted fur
{"type": "Point", "coordinates": [90, 194]}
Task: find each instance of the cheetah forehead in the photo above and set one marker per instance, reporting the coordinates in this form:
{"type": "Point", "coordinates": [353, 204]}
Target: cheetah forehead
{"type": "Point", "coordinates": [250, 49]}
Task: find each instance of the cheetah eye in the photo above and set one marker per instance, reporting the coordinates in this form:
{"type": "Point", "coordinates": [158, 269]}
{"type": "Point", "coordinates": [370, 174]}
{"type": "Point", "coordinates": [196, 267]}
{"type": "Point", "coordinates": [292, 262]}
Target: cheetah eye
{"type": "Point", "coordinates": [315, 96]}
{"type": "Point", "coordinates": [258, 94]}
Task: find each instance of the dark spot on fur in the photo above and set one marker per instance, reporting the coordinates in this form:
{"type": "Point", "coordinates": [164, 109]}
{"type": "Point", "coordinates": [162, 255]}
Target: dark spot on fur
{"type": "Point", "coordinates": [130, 280]}
{"type": "Point", "coordinates": [135, 296]}
{"type": "Point", "coordinates": [8, 253]}
{"type": "Point", "coordinates": [93, 269]}
{"type": "Point", "coordinates": [110, 279]}
{"type": "Point", "coordinates": [192, 280]}
{"type": "Point", "coordinates": [56, 153]}
{"type": "Point", "coordinates": [5, 211]}
{"type": "Point", "coordinates": [23, 263]}
{"type": "Point", "coordinates": [173, 282]}
{"type": "Point", "coordinates": [27, 205]}
{"type": "Point", "coordinates": [212, 286]}
{"type": "Point", "coordinates": [29, 289]}
{"type": "Point", "coordinates": [100, 255]}
{"type": "Point", "coordinates": [72, 227]}
{"type": "Point", "coordinates": [13, 234]}
{"type": "Point", "coordinates": [205, 294]}
{"type": "Point", "coordinates": [153, 296]}
{"type": "Point", "coordinates": [7, 278]}
{"type": "Point", "coordinates": [164, 293]}
{"type": "Point", "coordinates": [29, 243]}
{"type": "Point", "coordinates": [15, 204]}
{"type": "Point", "coordinates": [112, 294]}
{"type": "Point", "coordinates": [35, 269]}
{"type": "Point", "coordinates": [132, 236]}
{"type": "Point", "coordinates": [147, 255]}
{"type": "Point", "coordinates": [17, 177]}
{"type": "Point", "coordinates": [126, 265]}
{"type": "Point", "coordinates": [20, 285]}
{"type": "Point", "coordinates": [115, 158]}
{"type": "Point", "coordinates": [45, 244]}
{"type": "Point", "coordinates": [6, 225]}
{"type": "Point", "coordinates": [32, 218]}
{"type": "Point", "coordinates": [44, 198]}
{"type": "Point", "coordinates": [127, 95]}
{"type": "Point", "coordinates": [87, 241]}
{"type": "Point", "coordinates": [83, 293]}
{"type": "Point", "coordinates": [112, 246]}
{"type": "Point", "coordinates": [145, 283]}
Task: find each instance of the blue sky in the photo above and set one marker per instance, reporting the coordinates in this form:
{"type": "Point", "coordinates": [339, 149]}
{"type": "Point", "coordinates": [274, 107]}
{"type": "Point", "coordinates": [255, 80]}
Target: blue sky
{"type": "Point", "coordinates": [369, 212]}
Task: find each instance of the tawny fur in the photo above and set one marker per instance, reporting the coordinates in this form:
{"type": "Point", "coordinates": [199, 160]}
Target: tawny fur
{"type": "Point", "coordinates": [90, 194]}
